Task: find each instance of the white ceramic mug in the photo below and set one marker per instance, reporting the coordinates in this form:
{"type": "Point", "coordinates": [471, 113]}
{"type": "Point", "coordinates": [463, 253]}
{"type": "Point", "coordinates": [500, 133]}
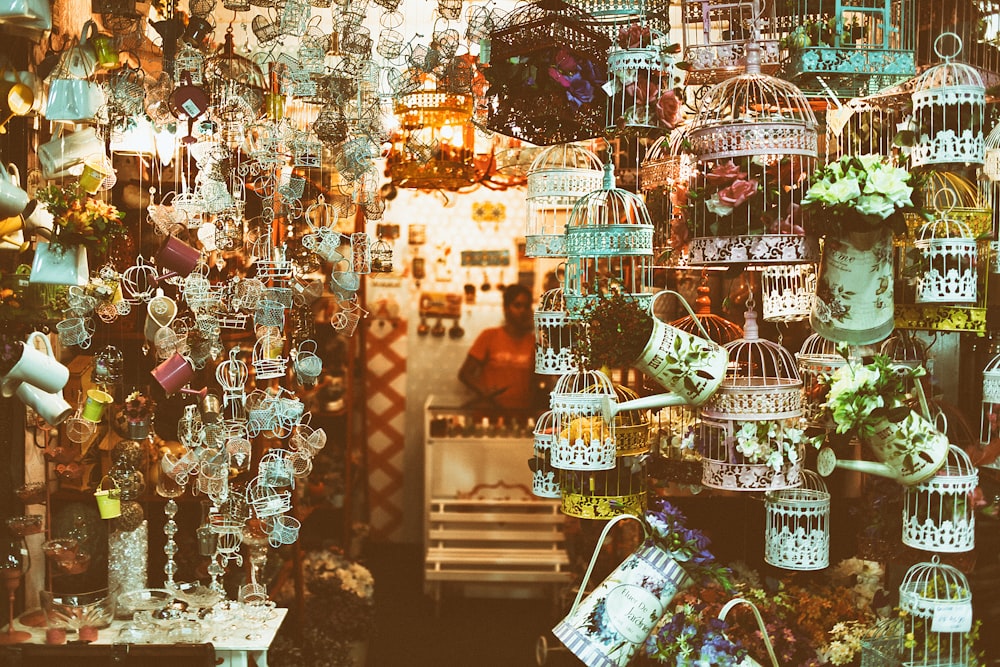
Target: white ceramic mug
{"type": "Point", "coordinates": [13, 200]}
{"type": "Point", "coordinates": [64, 156]}
{"type": "Point", "coordinates": [41, 369]}
{"type": "Point", "coordinates": [51, 407]}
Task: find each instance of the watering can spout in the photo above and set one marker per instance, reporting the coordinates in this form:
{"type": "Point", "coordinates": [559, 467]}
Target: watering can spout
{"type": "Point", "coordinates": [610, 407]}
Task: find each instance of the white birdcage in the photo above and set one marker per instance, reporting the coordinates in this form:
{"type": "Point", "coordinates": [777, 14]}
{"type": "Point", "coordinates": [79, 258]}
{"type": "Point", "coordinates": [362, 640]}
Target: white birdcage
{"type": "Point", "coordinates": [554, 333]}
{"type": "Point", "coordinates": [797, 528]}
{"type": "Point", "coordinates": [544, 483]}
{"type": "Point", "coordinates": [585, 440]}
{"type": "Point", "coordinates": [643, 80]}
{"type": "Point", "coordinates": [991, 160]}
{"type": "Point", "coordinates": [604, 494]}
{"type": "Point", "coordinates": [609, 244]}
{"type": "Point", "coordinates": [937, 603]}
{"type": "Point", "coordinates": [989, 426]}
{"type": "Point", "coordinates": [714, 35]}
{"type": "Point", "coordinates": [559, 175]}
{"type": "Point", "coordinates": [939, 514]}
{"type": "Point", "coordinates": [859, 127]}
{"type": "Point", "coordinates": [948, 262]}
{"type": "Point", "coordinates": [267, 361]}
{"type": "Point", "coordinates": [664, 175]}
{"type": "Point", "coordinates": [232, 376]}
{"type": "Point", "coordinates": [614, 17]}
{"type": "Point", "coordinates": [755, 138]}
{"type": "Point", "coordinates": [632, 427]}
{"type": "Point", "coordinates": [904, 348]}
{"type": "Point", "coordinates": [949, 106]}
{"type": "Point", "coordinates": [787, 292]}
{"type": "Point", "coordinates": [817, 359]}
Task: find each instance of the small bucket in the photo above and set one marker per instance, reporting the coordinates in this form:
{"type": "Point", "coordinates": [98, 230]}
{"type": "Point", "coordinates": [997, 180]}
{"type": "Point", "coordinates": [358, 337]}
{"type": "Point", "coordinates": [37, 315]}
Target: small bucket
{"type": "Point", "coordinates": [93, 408]}
{"type": "Point", "coordinates": [109, 501]}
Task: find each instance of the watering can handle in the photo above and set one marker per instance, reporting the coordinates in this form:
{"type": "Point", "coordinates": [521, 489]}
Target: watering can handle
{"type": "Point", "coordinates": [14, 173]}
{"type": "Point", "coordinates": [760, 624]}
{"type": "Point", "coordinates": [597, 552]}
{"type": "Point", "coordinates": [921, 397]}
{"type": "Point", "coordinates": [686, 307]}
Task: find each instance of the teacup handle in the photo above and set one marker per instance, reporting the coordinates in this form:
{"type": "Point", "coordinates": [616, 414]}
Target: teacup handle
{"type": "Point", "coordinates": [684, 303]}
{"type": "Point", "coordinates": [597, 552]}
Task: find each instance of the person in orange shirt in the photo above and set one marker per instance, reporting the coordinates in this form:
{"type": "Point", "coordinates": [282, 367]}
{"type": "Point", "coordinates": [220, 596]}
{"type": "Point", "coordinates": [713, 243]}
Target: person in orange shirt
{"type": "Point", "coordinates": [500, 365]}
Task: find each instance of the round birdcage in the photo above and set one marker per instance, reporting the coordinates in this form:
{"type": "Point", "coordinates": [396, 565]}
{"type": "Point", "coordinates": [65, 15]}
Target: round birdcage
{"type": "Point", "coordinates": [937, 603]}
{"type": "Point", "coordinates": [989, 425]}
{"type": "Point", "coordinates": [762, 381]}
{"type": "Point", "coordinates": [797, 528]}
{"type": "Point", "coordinates": [604, 494]}
{"type": "Point", "coordinates": [632, 435]}
{"type": "Point", "coordinates": [585, 440]}
{"type": "Point", "coordinates": [948, 262]}
{"type": "Point", "coordinates": [949, 107]}
{"type": "Point", "coordinates": [609, 245]}
{"type": "Point", "coordinates": [718, 328]}
{"type": "Point", "coordinates": [860, 127]}
{"type": "Point", "coordinates": [543, 476]}
{"type": "Point", "coordinates": [787, 292]}
{"type": "Point", "coordinates": [817, 359]}
{"type": "Point", "coordinates": [904, 348]}
{"type": "Point", "coordinates": [755, 138]}
{"type": "Point", "coordinates": [643, 80]}
{"type": "Point", "coordinates": [750, 455]}
{"type": "Point", "coordinates": [991, 161]}
{"type": "Point", "coordinates": [554, 334]}
{"type": "Point", "coordinates": [558, 177]}
{"type": "Point", "coordinates": [666, 163]}
{"type": "Point", "coordinates": [614, 18]}
{"type": "Point", "coordinates": [939, 514]}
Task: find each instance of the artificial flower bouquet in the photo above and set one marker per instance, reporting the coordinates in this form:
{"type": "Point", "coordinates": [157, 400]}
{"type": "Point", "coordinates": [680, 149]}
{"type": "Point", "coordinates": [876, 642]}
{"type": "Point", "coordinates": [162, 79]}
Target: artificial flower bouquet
{"type": "Point", "coordinates": [861, 193]}
{"type": "Point", "coordinates": [138, 407]}
{"type": "Point", "coordinates": [80, 219]}
{"type": "Point", "coordinates": [616, 329]}
{"type": "Point", "coordinates": [774, 443]}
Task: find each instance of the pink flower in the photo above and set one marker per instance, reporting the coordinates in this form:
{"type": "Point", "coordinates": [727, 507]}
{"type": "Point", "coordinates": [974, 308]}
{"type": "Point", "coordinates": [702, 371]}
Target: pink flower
{"type": "Point", "coordinates": [644, 89]}
{"type": "Point", "coordinates": [738, 192]}
{"type": "Point", "coordinates": [724, 174]}
{"type": "Point", "coordinates": [559, 77]}
{"type": "Point", "coordinates": [565, 61]}
{"type": "Point", "coordinates": [792, 223]}
{"type": "Point", "coordinates": [634, 37]}
{"type": "Point", "coordinates": [668, 108]}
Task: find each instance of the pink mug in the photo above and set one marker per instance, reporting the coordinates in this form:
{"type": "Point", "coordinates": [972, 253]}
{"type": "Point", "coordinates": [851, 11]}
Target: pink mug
{"type": "Point", "coordinates": [177, 257]}
{"type": "Point", "coordinates": [173, 373]}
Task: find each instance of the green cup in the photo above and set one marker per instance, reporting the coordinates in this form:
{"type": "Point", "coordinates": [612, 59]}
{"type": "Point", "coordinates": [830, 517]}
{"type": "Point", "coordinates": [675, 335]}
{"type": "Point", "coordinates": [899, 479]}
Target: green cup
{"type": "Point", "coordinates": [104, 48]}
{"type": "Point", "coordinates": [93, 408]}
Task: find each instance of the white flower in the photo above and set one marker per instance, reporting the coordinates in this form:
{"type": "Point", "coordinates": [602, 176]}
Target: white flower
{"type": "Point", "coordinates": [844, 191]}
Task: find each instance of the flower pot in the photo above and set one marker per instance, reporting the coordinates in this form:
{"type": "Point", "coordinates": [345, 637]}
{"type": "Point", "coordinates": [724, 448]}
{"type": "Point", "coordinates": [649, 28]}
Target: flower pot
{"type": "Point", "coordinates": [854, 292]}
{"type": "Point", "coordinates": [59, 265]}
{"type": "Point", "coordinates": [611, 624]}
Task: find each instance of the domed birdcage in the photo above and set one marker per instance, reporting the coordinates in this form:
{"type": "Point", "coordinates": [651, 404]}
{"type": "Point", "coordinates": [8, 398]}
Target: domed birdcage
{"type": "Point", "coordinates": [949, 106]}
{"type": "Point", "coordinates": [714, 37]}
{"type": "Point", "coordinates": [817, 359]}
{"type": "Point", "coordinates": [904, 348]}
{"type": "Point", "coordinates": [718, 328]}
{"type": "Point", "coordinates": [664, 175]}
{"type": "Point", "coordinates": [554, 333]}
{"type": "Point", "coordinates": [631, 426]}
{"type": "Point", "coordinates": [859, 127]}
{"type": "Point", "coordinates": [585, 440]}
{"type": "Point", "coordinates": [939, 514]}
{"type": "Point", "coordinates": [989, 425]}
{"type": "Point", "coordinates": [937, 603]}
{"type": "Point", "coordinates": [666, 163]}
{"type": "Point", "coordinates": [797, 528]}
{"type": "Point", "coordinates": [615, 18]}
{"type": "Point", "coordinates": [557, 178]}
{"type": "Point", "coordinates": [609, 245]}
{"type": "Point", "coordinates": [643, 82]}
{"type": "Point", "coordinates": [991, 158]}
{"type": "Point", "coordinates": [948, 262]}
{"type": "Point", "coordinates": [604, 494]}
{"type": "Point", "coordinates": [787, 292]}
{"type": "Point", "coordinates": [755, 138]}
{"type": "Point", "coordinates": [544, 483]}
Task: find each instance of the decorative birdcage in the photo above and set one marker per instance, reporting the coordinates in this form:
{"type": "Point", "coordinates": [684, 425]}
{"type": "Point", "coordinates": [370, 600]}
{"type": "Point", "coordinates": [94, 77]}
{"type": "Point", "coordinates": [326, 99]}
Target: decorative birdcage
{"type": "Point", "coordinates": [544, 483]}
{"type": "Point", "coordinates": [937, 601]}
{"type": "Point", "coordinates": [616, 18]}
{"type": "Point", "coordinates": [755, 138]}
{"type": "Point", "coordinates": [939, 514]}
{"type": "Point", "coordinates": [543, 109]}
{"type": "Point", "coordinates": [991, 160]}
{"type": "Point", "coordinates": [817, 359]}
{"type": "Point", "coordinates": [604, 494]}
{"type": "Point", "coordinates": [558, 177]}
{"type": "Point", "coordinates": [381, 255]}
{"type": "Point", "coordinates": [643, 82]}
{"type": "Point", "coordinates": [787, 292]}
{"type": "Point", "coordinates": [609, 245]}
{"type": "Point", "coordinates": [554, 334]}
{"type": "Point", "coordinates": [714, 38]}
{"type": "Point", "coordinates": [797, 528]}
{"type": "Point", "coordinates": [585, 440]}
{"type": "Point", "coordinates": [948, 262]}
{"type": "Point", "coordinates": [664, 174]}
{"type": "Point", "coordinates": [434, 147]}
{"type": "Point", "coordinates": [232, 376]}
{"type": "Point", "coordinates": [631, 426]}
{"type": "Point", "coordinates": [267, 360]}
{"type": "Point", "coordinates": [859, 127]}
{"type": "Point", "coordinates": [718, 328]}
{"type": "Point", "coordinates": [949, 105]}
{"type": "Point", "coordinates": [989, 425]}
{"type": "Point", "coordinates": [851, 47]}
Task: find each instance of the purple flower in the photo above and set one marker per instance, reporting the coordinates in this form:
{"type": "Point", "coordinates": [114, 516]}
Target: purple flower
{"type": "Point", "coordinates": [580, 91]}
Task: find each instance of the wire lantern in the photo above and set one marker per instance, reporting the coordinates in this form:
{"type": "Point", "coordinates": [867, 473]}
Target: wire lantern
{"type": "Point", "coordinates": [554, 334]}
{"type": "Point", "coordinates": [797, 527]}
{"type": "Point", "coordinates": [714, 37]}
{"type": "Point", "coordinates": [604, 494]}
{"type": "Point", "coordinates": [544, 483]}
{"type": "Point", "coordinates": [931, 591]}
{"type": "Point", "coordinates": [558, 177]}
{"type": "Point", "coordinates": [989, 425]}
{"type": "Point", "coordinates": [939, 513]}
{"type": "Point", "coordinates": [787, 292]}
{"type": "Point", "coordinates": [755, 138]}
{"type": "Point", "coordinates": [949, 106]}
{"type": "Point", "coordinates": [585, 441]}
{"type": "Point", "coordinates": [609, 246]}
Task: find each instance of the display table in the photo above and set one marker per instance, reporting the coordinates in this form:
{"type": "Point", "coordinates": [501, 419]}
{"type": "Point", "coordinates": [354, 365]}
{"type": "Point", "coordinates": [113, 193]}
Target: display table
{"type": "Point", "coordinates": [232, 648]}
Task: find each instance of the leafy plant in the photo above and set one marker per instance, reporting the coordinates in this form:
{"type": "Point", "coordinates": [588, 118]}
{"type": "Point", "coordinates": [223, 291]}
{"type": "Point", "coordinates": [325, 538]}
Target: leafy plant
{"type": "Point", "coordinates": [80, 219]}
{"type": "Point", "coordinates": [615, 331]}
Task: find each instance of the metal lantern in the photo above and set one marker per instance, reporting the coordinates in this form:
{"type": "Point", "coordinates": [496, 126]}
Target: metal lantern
{"type": "Point", "coordinates": [854, 47]}
{"type": "Point", "coordinates": [585, 440]}
{"type": "Point", "coordinates": [554, 333]}
{"type": "Point", "coordinates": [755, 138]}
{"type": "Point", "coordinates": [604, 494]}
{"type": "Point", "coordinates": [949, 105]}
{"type": "Point", "coordinates": [937, 603]}
{"type": "Point", "coordinates": [543, 476]}
{"type": "Point", "coordinates": [643, 80]}
{"type": "Point", "coordinates": [787, 292]}
{"type": "Point", "coordinates": [939, 514]}
{"type": "Point", "coordinates": [715, 34]}
{"type": "Point", "coordinates": [948, 263]}
{"type": "Point", "coordinates": [797, 528]}
{"type": "Point", "coordinates": [557, 178]}
{"type": "Point", "coordinates": [609, 245]}
{"type": "Point", "coordinates": [989, 425]}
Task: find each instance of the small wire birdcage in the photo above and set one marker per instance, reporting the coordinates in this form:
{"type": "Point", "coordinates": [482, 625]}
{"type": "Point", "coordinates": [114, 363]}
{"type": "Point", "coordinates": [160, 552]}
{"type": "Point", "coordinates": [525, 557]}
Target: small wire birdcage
{"type": "Point", "coordinates": [585, 440]}
{"type": "Point", "coordinates": [816, 360]}
{"type": "Point", "coordinates": [714, 36]}
{"type": "Point", "coordinates": [949, 106]}
{"type": "Point", "coordinates": [948, 262]}
{"type": "Point", "coordinates": [544, 483]}
{"type": "Point", "coordinates": [232, 376]}
{"type": "Point", "coordinates": [797, 528]}
{"type": "Point", "coordinates": [904, 348]}
{"type": "Point", "coordinates": [989, 425]}
{"type": "Point", "coordinates": [558, 177]}
{"type": "Point", "coordinates": [787, 292]}
{"type": "Point", "coordinates": [609, 246]}
{"type": "Point", "coordinates": [755, 138]}
{"type": "Point", "coordinates": [938, 514]}
{"type": "Point", "coordinates": [554, 334]}
{"type": "Point", "coordinates": [643, 82]}
{"type": "Point", "coordinates": [267, 360]}
{"type": "Point", "coordinates": [604, 494]}
{"type": "Point", "coordinates": [937, 601]}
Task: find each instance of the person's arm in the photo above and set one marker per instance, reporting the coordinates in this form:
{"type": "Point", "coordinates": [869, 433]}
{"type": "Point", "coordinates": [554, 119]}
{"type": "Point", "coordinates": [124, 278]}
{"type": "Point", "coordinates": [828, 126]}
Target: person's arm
{"type": "Point", "coordinates": [470, 373]}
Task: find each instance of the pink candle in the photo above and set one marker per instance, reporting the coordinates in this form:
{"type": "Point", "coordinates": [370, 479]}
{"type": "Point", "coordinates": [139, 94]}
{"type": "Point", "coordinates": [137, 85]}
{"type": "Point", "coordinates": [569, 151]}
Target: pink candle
{"type": "Point", "coordinates": [55, 636]}
{"type": "Point", "coordinates": [88, 633]}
